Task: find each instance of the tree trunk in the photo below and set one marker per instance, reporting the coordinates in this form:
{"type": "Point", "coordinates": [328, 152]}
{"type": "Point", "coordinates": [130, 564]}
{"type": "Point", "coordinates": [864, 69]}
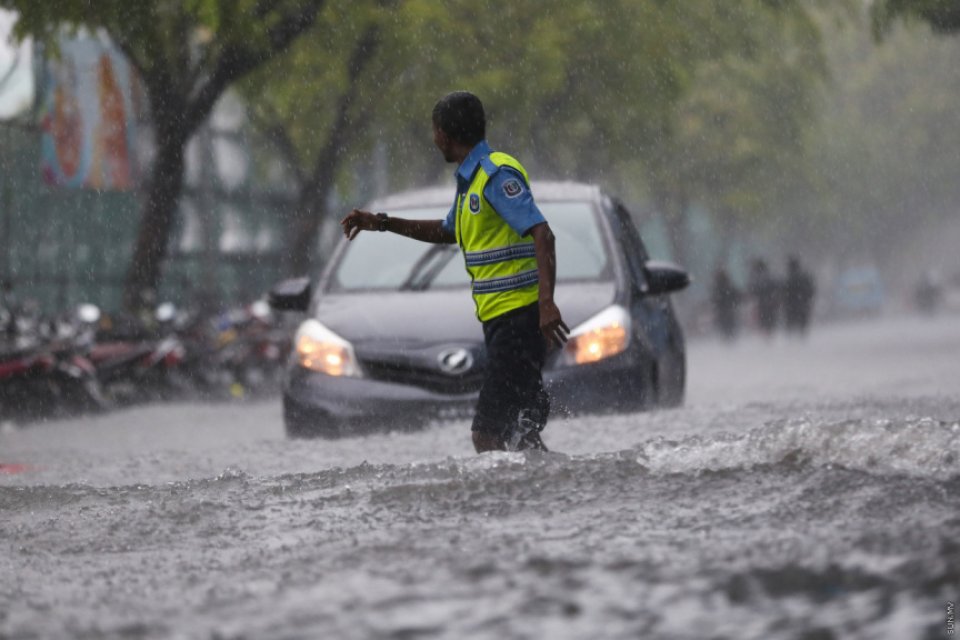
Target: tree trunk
{"type": "Point", "coordinates": [311, 206]}
{"type": "Point", "coordinates": [315, 192]}
{"type": "Point", "coordinates": [165, 185]}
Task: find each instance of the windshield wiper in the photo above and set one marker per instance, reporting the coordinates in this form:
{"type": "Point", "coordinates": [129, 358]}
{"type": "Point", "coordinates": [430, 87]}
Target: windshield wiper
{"type": "Point", "coordinates": [427, 267]}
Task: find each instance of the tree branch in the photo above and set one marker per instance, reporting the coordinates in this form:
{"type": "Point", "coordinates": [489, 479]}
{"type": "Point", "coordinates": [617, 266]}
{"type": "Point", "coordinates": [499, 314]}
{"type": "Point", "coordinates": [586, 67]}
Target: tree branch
{"type": "Point", "coordinates": [278, 135]}
{"type": "Point", "coordinates": [360, 57]}
{"type": "Point", "coordinates": [239, 59]}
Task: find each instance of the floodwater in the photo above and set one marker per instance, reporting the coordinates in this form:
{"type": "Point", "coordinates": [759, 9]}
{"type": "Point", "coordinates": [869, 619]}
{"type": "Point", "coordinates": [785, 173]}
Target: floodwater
{"type": "Point", "coordinates": [806, 490]}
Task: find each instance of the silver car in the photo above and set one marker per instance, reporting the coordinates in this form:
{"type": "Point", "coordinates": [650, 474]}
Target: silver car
{"type": "Point", "coordinates": [390, 339]}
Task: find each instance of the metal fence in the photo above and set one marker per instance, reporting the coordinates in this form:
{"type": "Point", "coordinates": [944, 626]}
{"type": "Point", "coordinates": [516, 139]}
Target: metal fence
{"type": "Point", "coordinates": [60, 247]}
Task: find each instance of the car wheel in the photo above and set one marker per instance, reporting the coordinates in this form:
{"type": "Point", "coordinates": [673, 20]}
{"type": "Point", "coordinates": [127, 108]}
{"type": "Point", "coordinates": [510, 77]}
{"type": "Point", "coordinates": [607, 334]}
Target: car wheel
{"type": "Point", "coordinates": [673, 391]}
{"type": "Point", "coordinates": [652, 401]}
{"type": "Point", "coordinates": [299, 430]}
{"type": "Point", "coordinates": [305, 423]}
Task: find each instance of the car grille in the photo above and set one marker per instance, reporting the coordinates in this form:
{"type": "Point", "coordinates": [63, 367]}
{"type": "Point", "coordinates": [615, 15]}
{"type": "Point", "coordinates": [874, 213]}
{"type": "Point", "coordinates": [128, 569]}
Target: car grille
{"type": "Point", "coordinates": [429, 379]}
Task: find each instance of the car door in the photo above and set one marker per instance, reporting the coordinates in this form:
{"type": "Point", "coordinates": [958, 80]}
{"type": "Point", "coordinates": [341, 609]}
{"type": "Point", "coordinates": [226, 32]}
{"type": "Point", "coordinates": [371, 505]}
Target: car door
{"type": "Point", "coordinates": [654, 321]}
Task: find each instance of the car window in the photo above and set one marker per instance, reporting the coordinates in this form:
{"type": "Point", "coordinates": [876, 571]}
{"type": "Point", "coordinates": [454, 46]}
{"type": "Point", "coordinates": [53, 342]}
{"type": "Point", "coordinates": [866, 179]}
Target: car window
{"type": "Point", "coordinates": [389, 261]}
{"type": "Point", "coordinates": [581, 253]}
{"type": "Point", "coordinates": [633, 249]}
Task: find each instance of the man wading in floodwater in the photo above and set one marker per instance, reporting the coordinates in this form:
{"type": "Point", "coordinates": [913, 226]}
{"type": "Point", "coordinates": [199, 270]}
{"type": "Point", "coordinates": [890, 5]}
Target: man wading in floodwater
{"type": "Point", "coordinates": [509, 253]}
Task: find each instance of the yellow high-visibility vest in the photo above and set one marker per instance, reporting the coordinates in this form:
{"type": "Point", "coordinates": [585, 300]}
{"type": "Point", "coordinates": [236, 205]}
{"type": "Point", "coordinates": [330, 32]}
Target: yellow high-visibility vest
{"type": "Point", "coordinates": [502, 264]}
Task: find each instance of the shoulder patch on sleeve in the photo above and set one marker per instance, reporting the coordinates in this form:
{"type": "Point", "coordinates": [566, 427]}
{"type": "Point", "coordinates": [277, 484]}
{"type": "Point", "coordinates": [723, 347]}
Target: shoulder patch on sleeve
{"type": "Point", "coordinates": [512, 188]}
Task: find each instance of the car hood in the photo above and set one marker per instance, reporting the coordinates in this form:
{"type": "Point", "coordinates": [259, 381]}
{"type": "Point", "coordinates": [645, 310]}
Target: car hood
{"type": "Point", "coordinates": [441, 316]}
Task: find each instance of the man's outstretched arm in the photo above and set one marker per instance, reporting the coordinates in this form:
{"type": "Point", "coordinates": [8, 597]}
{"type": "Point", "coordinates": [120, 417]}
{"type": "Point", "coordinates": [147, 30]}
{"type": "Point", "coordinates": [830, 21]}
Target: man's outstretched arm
{"type": "Point", "coordinates": [423, 230]}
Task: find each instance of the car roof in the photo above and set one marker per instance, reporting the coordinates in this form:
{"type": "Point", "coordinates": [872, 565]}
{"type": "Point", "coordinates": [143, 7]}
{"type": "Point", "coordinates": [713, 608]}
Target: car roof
{"type": "Point", "coordinates": [544, 191]}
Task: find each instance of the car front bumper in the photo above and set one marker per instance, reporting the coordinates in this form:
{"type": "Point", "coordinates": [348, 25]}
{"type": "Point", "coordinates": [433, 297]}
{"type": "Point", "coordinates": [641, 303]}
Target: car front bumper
{"type": "Point", "coordinates": [318, 404]}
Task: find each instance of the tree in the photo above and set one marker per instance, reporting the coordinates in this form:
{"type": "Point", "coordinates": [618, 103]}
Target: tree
{"type": "Point", "coordinates": [739, 142]}
{"type": "Point", "coordinates": [317, 104]}
{"type": "Point", "coordinates": [942, 15]}
{"type": "Point", "coordinates": [740, 86]}
{"type": "Point", "coordinates": [588, 92]}
{"type": "Point", "coordinates": [620, 83]}
{"type": "Point", "coordinates": [187, 53]}
{"type": "Point", "coordinates": [598, 91]}
{"type": "Point", "coordinates": [382, 72]}
{"type": "Point", "coordinates": [889, 136]}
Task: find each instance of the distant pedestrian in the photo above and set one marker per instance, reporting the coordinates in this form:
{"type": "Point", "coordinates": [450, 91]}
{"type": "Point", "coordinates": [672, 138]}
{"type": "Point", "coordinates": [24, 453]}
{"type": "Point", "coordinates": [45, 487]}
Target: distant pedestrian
{"type": "Point", "coordinates": [928, 292]}
{"type": "Point", "coordinates": [725, 298]}
{"type": "Point", "coordinates": [766, 296]}
{"type": "Point", "coordinates": [799, 291]}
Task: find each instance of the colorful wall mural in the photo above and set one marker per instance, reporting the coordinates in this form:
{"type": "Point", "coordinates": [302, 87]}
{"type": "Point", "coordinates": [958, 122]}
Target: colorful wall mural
{"type": "Point", "coordinates": [89, 114]}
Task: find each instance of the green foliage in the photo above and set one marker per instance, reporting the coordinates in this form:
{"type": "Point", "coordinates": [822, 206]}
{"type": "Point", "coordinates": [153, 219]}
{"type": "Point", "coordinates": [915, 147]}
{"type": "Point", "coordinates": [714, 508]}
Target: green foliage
{"type": "Point", "coordinates": [295, 99]}
{"type": "Point", "coordinates": [942, 15]}
{"type": "Point", "coordinates": [667, 102]}
{"type": "Point", "coordinates": [739, 143]}
{"type": "Point", "coordinates": [889, 136]}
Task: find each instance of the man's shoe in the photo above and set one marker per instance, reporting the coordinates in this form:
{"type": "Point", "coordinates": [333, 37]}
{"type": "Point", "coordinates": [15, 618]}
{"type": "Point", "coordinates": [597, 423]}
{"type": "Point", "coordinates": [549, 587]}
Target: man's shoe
{"type": "Point", "coordinates": [525, 435]}
{"type": "Point", "coordinates": [532, 441]}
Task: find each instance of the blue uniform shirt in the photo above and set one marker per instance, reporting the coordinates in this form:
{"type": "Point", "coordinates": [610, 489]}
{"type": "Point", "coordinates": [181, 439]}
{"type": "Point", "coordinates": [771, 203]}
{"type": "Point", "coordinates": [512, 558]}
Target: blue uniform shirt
{"type": "Point", "coordinates": [517, 209]}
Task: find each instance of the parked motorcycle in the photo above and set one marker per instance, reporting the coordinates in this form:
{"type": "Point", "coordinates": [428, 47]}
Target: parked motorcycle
{"type": "Point", "coordinates": [87, 360]}
{"type": "Point", "coordinates": [44, 370]}
{"type": "Point", "coordinates": [135, 363]}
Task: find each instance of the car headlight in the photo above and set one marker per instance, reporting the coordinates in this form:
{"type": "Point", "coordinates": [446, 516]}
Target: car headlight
{"type": "Point", "coordinates": [320, 349]}
{"type": "Point", "coordinates": [602, 336]}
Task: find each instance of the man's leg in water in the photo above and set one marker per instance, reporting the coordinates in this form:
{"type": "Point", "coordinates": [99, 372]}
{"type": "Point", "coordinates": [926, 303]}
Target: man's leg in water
{"type": "Point", "coordinates": [512, 408]}
{"type": "Point", "coordinates": [487, 442]}
{"type": "Point", "coordinates": [531, 419]}
{"type": "Point", "coordinates": [517, 432]}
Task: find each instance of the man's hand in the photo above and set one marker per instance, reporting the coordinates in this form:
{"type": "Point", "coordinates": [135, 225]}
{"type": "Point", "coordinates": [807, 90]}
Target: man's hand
{"type": "Point", "coordinates": [357, 221]}
{"type": "Point", "coordinates": [551, 324]}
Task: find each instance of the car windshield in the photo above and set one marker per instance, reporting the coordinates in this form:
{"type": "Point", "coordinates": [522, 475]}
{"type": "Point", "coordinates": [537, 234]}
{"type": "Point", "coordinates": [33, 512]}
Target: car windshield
{"type": "Point", "coordinates": [390, 261]}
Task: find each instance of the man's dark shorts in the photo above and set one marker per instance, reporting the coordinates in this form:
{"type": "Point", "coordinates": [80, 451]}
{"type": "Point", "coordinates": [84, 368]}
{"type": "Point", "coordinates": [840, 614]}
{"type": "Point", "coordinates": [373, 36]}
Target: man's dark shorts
{"type": "Point", "coordinates": [513, 383]}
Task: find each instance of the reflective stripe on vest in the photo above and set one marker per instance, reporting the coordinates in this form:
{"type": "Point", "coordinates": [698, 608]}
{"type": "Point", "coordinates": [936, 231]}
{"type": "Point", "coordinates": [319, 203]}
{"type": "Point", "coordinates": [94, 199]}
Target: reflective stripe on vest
{"type": "Point", "coordinates": [500, 254]}
{"type": "Point", "coordinates": [506, 283]}
{"type": "Point", "coordinates": [502, 264]}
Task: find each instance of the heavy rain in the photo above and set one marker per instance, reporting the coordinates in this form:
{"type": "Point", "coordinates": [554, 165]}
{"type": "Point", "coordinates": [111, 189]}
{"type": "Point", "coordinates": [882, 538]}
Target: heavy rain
{"type": "Point", "coordinates": [231, 408]}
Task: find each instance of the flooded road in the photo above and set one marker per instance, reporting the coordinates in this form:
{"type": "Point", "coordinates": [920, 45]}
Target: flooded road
{"type": "Point", "coordinates": [806, 490]}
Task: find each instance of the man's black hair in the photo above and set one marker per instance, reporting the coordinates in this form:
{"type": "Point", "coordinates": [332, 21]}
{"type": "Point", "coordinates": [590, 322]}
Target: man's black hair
{"type": "Point", "coordinates": [460, 116]}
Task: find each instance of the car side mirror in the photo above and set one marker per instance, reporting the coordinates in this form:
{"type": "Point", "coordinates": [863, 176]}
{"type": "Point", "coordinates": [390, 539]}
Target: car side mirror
{"type": "Point", "coordinates": [290, 295]}
{"type": "Point", "coordinates": [664, 278]}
